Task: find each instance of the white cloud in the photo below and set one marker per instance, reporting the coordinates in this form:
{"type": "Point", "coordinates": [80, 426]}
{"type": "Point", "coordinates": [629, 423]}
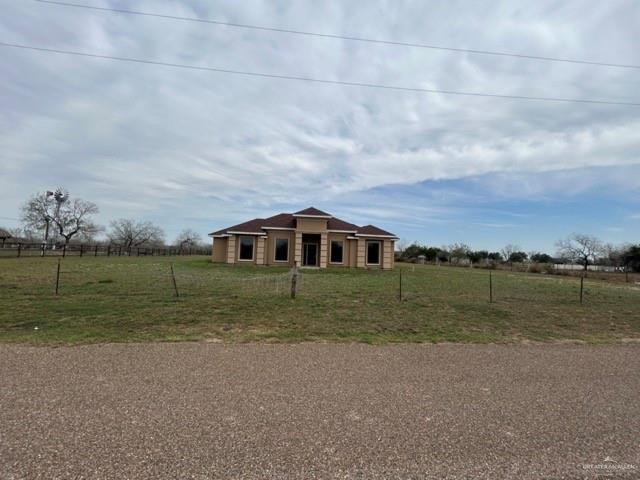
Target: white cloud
{"type": "Point", "coordinates": [147, 140]}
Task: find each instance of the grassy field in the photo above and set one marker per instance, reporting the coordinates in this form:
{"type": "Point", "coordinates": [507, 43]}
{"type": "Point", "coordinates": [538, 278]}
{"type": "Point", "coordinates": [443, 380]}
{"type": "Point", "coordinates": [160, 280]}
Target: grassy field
{"type": "Point", "coordinates": [121, 299]}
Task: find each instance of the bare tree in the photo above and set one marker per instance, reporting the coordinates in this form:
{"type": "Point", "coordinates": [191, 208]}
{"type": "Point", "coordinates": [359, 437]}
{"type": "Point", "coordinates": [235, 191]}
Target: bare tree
{"type": "Point", "coordinates": [188, 238]}
{"type": "Point", "coordinates": [507, 253]}
{"type": "Point", "coordinates": [5, 234]}
{"type": "Point", "coordinates": [68, 219]}
{"type": "Point", "coordinates": [508, 250]}
{"type": "Point", "coordinates": [132, 233]}
{"type": "Point", "coordinates": [580, 248]}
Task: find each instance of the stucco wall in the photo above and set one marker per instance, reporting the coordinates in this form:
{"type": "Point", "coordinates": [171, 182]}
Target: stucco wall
{"type": "Point", "coordinates": [270, 247]}
{"type": "Point", "coordinates": [219, 250]}
{"type": "Point", "coordinates": [311, 225]}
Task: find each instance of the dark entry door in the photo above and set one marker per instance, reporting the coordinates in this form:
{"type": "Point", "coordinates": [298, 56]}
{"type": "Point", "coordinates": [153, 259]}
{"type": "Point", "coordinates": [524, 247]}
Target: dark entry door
{"type": "Point", "coordinates": [310, 255]}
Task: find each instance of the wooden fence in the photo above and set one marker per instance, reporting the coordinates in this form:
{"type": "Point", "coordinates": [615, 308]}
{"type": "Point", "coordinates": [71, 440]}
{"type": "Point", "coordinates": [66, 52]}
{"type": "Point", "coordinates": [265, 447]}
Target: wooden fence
{"type": "Point", "coordinates": [20, 249]}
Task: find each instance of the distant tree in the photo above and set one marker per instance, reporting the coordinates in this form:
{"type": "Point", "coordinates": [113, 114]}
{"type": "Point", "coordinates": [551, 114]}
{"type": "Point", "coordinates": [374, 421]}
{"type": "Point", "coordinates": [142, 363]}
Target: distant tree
{"type": "Point", "coordinates": [539, 257]}
{"type": "Point", "coordinates": [412, 251]}
{"type": "Point", "coordinates": [401, 245]}
{"type": "Point", "coordinates": [68, 219]}
{"type": "Point", "coordinates": [457, 252]}
{"type": "Point", "coordinates": [518, 257]}
{"type": "Point", "coordinates": [495, 257]}
{"type": "Point", "coordinates": [478, 256]}
{"type": "Point", "coordinates": [508, 250]}
{"type": "Point", "coordinates": [580, 248]}
{"type": "Point", "coordinates": [613, 255]}
{"type": "Point", "coordinates": [443, 255]}
{"type": "Point", "coordinates": [631, 258]}
{"type": "Point", "coordinates": [431, 253]}
{"type": "Point", "coordinates": [131, 233]}
{"type": "Point", "coordinates": [188, 238]}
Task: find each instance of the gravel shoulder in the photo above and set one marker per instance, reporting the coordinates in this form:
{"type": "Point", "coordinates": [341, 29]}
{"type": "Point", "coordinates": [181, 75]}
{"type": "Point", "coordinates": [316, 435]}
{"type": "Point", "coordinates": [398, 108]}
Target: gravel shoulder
{"type": "Point", "coordinates": [201, 410]}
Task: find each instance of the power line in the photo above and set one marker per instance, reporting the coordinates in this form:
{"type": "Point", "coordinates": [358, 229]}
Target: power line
{"type": "Point", "coordinates": [315, 80]}
{"type": "Point", "coordinates": [340, 37]}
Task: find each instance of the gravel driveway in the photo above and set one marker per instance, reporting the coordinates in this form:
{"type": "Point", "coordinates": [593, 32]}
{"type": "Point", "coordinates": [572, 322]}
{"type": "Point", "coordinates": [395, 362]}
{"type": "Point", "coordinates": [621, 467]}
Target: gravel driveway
{"type": "Point", "coordinates": [201, 410]}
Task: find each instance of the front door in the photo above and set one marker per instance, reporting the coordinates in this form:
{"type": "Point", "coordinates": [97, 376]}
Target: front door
{"type": "Point", "coordinates": [310, 254]}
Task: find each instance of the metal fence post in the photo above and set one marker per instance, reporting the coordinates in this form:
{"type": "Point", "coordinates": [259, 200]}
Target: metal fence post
{"type": "Point", "coordinates": [490, 287]}
{"type": "Point", "coordinates": [58, 276]}
{"type": "Point", "coordinates": [81, 249]}
{"type": "Point", "coordinates": [294, 281]}
{"type": "Point", "coordinates": [173, 277]}
{"type": "Point", "coordinates": [64, 250]}
{"type": "Point", "coordinates": [95, 253]}
{"type": "Point", "coordinates": [19, 249]}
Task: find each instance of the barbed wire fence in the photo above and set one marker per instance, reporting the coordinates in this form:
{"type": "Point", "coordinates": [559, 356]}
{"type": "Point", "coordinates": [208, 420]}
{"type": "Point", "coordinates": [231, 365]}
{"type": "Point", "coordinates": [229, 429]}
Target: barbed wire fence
{"type": "Point", "coordinates": [406, 284]}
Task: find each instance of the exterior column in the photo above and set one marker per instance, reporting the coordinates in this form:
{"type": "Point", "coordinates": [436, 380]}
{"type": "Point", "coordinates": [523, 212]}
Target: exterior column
{"type": "Point", "coordinates": [360, 253]}
{"type": "Point", "coordinates": [323, 250]}
{"type": "Point", "coordinates": [260, 251]}
{"type": "Point", "coordinates": [231, 249]}
{"type": "Point", "coordinates": [297, 257]}
{"type": "Point", "coordinates": [387, 254]}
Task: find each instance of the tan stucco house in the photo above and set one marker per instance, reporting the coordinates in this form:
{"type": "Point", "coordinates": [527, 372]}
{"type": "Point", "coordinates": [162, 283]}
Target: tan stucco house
{"type": "Point", "coordinates": [308, 238]}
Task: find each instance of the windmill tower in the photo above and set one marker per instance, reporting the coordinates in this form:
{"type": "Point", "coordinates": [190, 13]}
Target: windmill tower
{"type": "Point", "coordinates": [60, 196]}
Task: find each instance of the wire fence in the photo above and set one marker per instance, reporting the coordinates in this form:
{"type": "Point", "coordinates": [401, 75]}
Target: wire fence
{"type": "Point", "coordinates": [162, 278]}
{"type": "Point", "coordinates": [22, 249]}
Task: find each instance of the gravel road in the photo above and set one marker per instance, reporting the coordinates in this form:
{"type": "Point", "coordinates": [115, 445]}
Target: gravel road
{"type": "Point", "coordinates": [204, 410]}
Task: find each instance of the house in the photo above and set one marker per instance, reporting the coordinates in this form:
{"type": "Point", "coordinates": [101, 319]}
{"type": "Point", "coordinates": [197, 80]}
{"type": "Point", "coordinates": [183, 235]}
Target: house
{"type": "Point", "coordinates": [308, 238]}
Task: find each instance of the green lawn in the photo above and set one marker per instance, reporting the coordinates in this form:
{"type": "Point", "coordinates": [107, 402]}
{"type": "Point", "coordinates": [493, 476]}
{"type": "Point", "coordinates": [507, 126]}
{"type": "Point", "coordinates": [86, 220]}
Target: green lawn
{"type": "Point", "coordinates": [118, 299]}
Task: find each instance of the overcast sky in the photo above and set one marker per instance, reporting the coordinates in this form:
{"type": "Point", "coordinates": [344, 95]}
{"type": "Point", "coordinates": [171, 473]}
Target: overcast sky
{"type": "Point", "coordinates": [206, 150]}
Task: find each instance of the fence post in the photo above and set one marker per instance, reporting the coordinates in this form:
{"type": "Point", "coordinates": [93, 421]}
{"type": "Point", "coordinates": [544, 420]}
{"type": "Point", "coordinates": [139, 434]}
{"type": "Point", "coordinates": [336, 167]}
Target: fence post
{"type": "Point", "coordinates": [58, 276]}
{"type": "Point", "coordinates": [43, 246]}
{"type": "Point", "coordinates": [95, 253]}
{"type": "Point", "coordinates": [490, 287]}
{"type": "Point", "coordinates": [626, 273]}
{"type": "Point", "coordinates": [581, 288]}
{"type": "Point", "coordinates": [81, 248]}
{"type": "Point", "coordinates": [400, 292]}
{"type": "Point", "coordinates": [138, 251]}
{"type": "Point", "coordinates": [64, 250]}
{"type": "Point", "coordinates": [19, 249]}
{"type": "Point", "coordinates": [294, 281]}
{"type": "Point", "coordinates": [109, 250]}
{"type": "Point", "coordinates": [173, 277]}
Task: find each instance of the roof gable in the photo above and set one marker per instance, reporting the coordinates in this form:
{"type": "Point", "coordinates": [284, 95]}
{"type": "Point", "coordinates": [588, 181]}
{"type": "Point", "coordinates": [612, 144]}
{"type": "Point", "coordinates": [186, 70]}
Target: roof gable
{"type": "Point", "coordinates": [312, 211]}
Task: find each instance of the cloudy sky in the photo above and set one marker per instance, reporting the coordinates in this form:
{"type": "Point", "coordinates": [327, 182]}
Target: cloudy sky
{"type": "Point", "coordinates": [187, 148]}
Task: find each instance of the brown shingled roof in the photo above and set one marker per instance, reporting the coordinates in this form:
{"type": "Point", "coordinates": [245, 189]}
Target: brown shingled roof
{"type": "Point", "coordinates": [373, 230]}
{"type": "Point", "coordinates": [282, 220]}
{"type": "Point", "coordinates": [252, 226]}
{"type": "Point", "coordinates": [337, 224]}
{"type": "Point", "coordinates": [288, 220]}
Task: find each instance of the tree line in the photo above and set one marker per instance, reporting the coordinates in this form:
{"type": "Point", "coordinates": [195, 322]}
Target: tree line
{"type": "Point", "coordinates": [578, 249]}
{"type": "Point", "coordinates": [54, 218]}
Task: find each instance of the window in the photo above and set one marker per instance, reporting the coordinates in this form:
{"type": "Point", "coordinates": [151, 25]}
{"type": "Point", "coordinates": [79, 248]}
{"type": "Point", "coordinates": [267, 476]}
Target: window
{"type": "Point", "coordinates": [373, 252]}
{"type": "Point", "coordinates": [282, 250]}
{"type": "Point", "coordinates": [246, 248]}
{"type": "Point", "coordinates": [336, 251]}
